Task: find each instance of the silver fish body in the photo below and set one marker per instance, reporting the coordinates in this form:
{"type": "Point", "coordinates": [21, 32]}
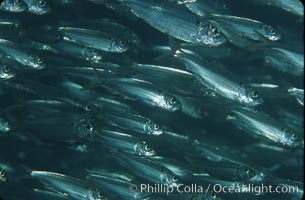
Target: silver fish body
{"type": "Point", "coordinates": [20, 55]}
{"type": "Point", "coordinates": [149, 170]}
{"type": "Point", "coordinates": [72, 187]}
{"type": "Point", "coordinates": [177, 23]}
{"type": "Point", "coordinates": [94, 39]}
{"type": "Point", "coordinates": [221, 82]}
{"type": "Point", "coordinates": [238, 28]}
{"type": "Point", "coordinates": [133, 122]}
{"type": "Point", "coordinates": [285, 60]}
{"type": "Point", "coordinates": [203, 8]}
{"type": "Point", "coordinates": [259, 124]}
{"type": "Point", "coordinates": [169, 78]}
{"type": "Point", "coordinates": [116, 185]}
{"type": "Point", "coordinates": [145, 92]}
{"type": "Point", "coordinates": [76, 50]}
{"type": "Point", "coordinates": [292, 6]}
{"type": "Point", "coordinates": [126, 143]}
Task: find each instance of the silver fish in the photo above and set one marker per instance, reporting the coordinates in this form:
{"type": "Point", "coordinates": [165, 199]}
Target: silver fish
{"type": "Point", "coordinates": [237, 27]}
{"type": "Point", "coordinates": [293, 6]}
{"type": "Point", "coordinates": [177, 23]}
{"type": "Point", "coordinates": [205, 7]}
{"type": "Point", "coordinates": [118, 30]}
{"type": "Point", "coordinates": [259, 124]}
{"type": "Point", "coordinates": [143, 91]}
{"type": "Point", "coordinates": [125, 143]}
{"type": "Point", "coordinates": [132, 122]}
{"type": "Point", "coordinates": [285, 60]}
{"type": "Point", "coordinates": [116, 184]}
{"type": "Point", "coordinates": [222, 153]}
{"type": "Point", "coordinates": [73, 49]}
{"type": "Point", "coordinates": [38, 7]}
{"type": "Point", "coordinates": [221, 82]}
{"type": "Point", "coordinates": [148, 170]}
{"type": "Point", "coordinates": [20, 55]}
{"type": "Point", "coordinates": [14, 6]}
{"type": "Point", "coordinates": [69, 186]}
{"type": "Point", "coordinates": [94, 39]}
{"type": "Point", "coordinates": [225, 170]}
{"type": "Point", "coordinates": [45, 194]}
{"type": "Point", "coordinates": [169, 78]}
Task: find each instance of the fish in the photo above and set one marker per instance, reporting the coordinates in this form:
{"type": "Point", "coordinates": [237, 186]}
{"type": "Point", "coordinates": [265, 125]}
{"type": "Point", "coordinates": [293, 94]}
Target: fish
{"type": "Point", "coordinates": [94, 39]}
{"type": "Point", "coordinates": [132, 122]}
{"type": "Point", "coordinates": [71, 129]}
{"type": "Point", "coordinates": [38, 7]}
{"type": "Point", "coordinates": [125, 143]}
{"type": "Point", "coordinates": [45, 194]}
{"type": "Point", "coordinates": [148, 170]}
{"type": "Point", "coordinates": [225, 170]}
{"type": "Point", "coordinates": [116, 29]}
{"type": "Point", "coordinates": [259, 124]}
{"type": "Point", "coordinates": [292, 6]}
{"type": "Point", "coordinates": [203, 8]}
{"type": "Point", "coordinates": [180, 2]}
{"type": "Point", "coordinates": [298, 94]}
{"type": "Point", "coordinates": [68, 186]}
{"type": "Point", "coordinates": [169, 78]}
{"type": "Point", "coordinates": [116, 184]}
{"type": "Point", "coordinates": [20, 55]}
{"type": "Point", "coordinates": [180, 169]}
{"type": "Point", "coordinates": [76, 50]}
{"type": "Point", "coordinates": [285, 60]}
{"type": "Point", "coordinates": [14, 6]}
{"type": "Point", "coordinates": [243, 32]}
{"type": "Point", "coordinates": [216, 153]}
{"type": "Point", "coordinates": [177, 23]}
{"type": "Point", "coordinates": [143, 91]}
{"type": "Point", "coordinates": [220, 81]}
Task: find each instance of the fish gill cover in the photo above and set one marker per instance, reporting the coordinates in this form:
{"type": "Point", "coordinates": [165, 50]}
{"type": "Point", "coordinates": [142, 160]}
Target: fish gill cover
{"type": "Point", "coordinates": [151, 99]}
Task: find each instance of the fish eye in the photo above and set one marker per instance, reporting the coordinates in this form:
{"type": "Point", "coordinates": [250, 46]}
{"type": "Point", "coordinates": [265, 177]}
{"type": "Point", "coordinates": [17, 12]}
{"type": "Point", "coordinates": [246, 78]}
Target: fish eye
{"type": "Point", "coordinates": [147, 148]}
{"type": "Point", "coordinates": [247, 171]}
{"type": "Point", "coordinates": [87, 108]}
{"type": "Point", "coordinates": [215, 31]}
{"type": "Point", "coordinates": [40, 61]}
{"type": "Point", "coordinates": [173, 100]}
{"type": "Point", "coordinates": [42, 3]}
{"type": "Point", "coordinates": [175, 178]}
{"type": "Point", "coordinates": [156, 127]}
{"type": "Point", "coordinates": [89, 127]}
{"type": "Point", "coordinates": [1, 173]}
{"type": "Point", "coordinates": [213, 195]}
{"type": "Point", "coordinates": [272, 31]}
{"type": "Point", "coordinates": [6, 68]}
{"type": "Point", "coordinates": [17, 1]}
{"type": "Point", "coordinates": [254, 93]}
{"type": "Point", "coordinates": [294, 136]}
